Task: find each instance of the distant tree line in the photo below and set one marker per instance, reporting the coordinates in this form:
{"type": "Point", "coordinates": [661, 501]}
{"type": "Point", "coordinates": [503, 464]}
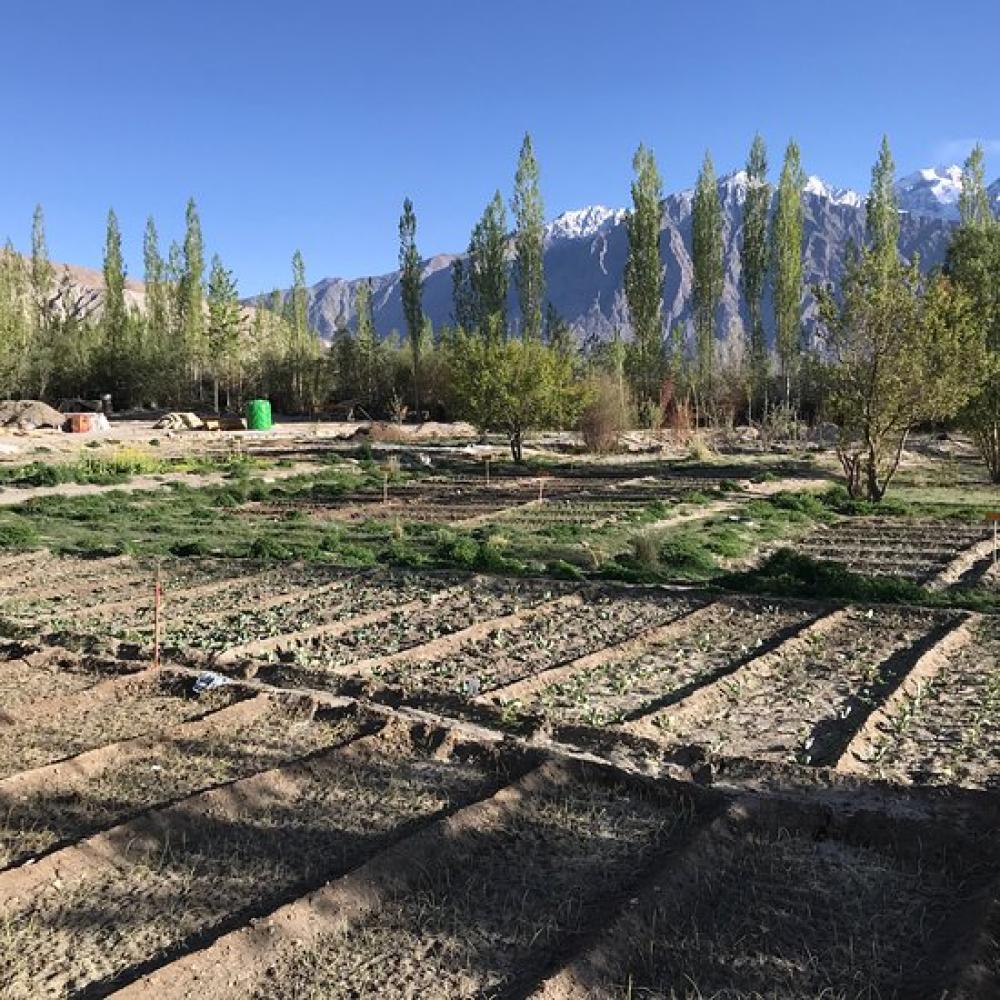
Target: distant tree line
{"type": "Point", "coordinates": [892, 349]}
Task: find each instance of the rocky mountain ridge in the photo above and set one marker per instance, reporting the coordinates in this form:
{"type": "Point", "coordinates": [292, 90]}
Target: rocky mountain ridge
{"type": "Point", "coordinates": [585, 252]}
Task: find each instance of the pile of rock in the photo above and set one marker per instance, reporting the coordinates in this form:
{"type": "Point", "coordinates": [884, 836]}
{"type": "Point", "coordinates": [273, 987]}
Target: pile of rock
{"type": "Point", "coordinates": [29, 414]}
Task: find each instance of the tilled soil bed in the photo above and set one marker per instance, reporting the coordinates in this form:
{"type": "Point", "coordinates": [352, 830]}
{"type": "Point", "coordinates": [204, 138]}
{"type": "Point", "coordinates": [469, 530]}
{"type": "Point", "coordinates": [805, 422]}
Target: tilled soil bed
{"type": "Point", "coordinates": [947, 731]}
{"type": "Point", "coordinates": [803, 704]}
{"type": "Point", "coordinates": [468, 604]}
{"type": "Point", "coordinates": [132, 707]}
{"type": "Point", "coordinates": [37, 676]}
{"type": "Point", "coordinates": [720, 636]}
{"type": "Point", "coordinates": [914, 550]}
{"type": "Point", "coordinates": [497, 901]}
{"type": "Point", "coordinates": [787, 910]}
{"type": "Point", "coordinates": [76, 800]}
{"type": "Point", "coordinates": [506, 655]}
{"type": "Point", "coordinates": [353, 596]}
{"type": "Point", "coordinates": [83, 917]}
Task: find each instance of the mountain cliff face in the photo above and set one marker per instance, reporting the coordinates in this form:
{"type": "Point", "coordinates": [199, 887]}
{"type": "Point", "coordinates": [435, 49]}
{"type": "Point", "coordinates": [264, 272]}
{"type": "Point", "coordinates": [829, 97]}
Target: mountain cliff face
{"type": "Point", "coordinates": [585, 253]}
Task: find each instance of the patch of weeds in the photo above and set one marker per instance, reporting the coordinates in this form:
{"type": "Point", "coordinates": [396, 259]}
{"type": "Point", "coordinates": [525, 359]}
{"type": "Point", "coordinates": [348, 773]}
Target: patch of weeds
{"type": "Point", "coordinates": [564, 571]}
{"type": "Point", "coordinates": [696, 497]}
{"type": "Point", "coordinates": [792, 574]}
{"type": "Point", "coordinates": [195, 547]}
{"type": "Point", "coordinates": [17, 535]}
{"type": "Point", "coordinates": [266, 548]}
{"type": "Point", "coordinates": [686, 555]}
{"type": "Point", "coordinates": [456, 550]}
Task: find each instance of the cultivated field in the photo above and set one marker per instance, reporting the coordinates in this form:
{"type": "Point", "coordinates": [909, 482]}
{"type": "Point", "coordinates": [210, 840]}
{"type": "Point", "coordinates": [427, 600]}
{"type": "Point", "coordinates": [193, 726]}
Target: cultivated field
{"type": "Point", "coordinates": [392, 780]}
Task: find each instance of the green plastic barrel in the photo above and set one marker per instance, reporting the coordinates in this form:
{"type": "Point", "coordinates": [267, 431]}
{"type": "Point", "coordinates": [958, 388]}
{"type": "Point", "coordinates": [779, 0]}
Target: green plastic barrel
{"type": "Point", "coordinates": [259, 415]}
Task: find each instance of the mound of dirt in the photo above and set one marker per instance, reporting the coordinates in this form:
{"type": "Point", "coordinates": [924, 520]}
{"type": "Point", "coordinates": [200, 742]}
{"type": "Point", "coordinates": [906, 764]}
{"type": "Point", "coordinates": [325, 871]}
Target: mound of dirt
{"type": "Point", "coordinates": [28, 414]}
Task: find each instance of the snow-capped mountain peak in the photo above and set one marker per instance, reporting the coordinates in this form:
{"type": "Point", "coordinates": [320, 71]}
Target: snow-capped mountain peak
{"type": "Point", "coordinates": [932, 192]}
{"type": "Point", "coordinates": [583, 223]}
{"type": "Point", "coordinates": [839, 196]}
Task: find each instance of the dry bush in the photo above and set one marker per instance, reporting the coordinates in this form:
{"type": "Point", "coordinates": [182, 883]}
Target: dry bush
{"type": "Point", "coordinates": [699, 449]}
{"type": "Point", "coordinates": [646, 550]}
{"type": "Point", "coordinates": [605, 417]}
{"type": "Point", "coordinates": [380, 431]}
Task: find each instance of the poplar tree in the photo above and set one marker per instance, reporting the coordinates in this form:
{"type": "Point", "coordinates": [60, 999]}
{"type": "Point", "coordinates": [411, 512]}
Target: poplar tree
{"type": "Point", "coordinates": [973, 262]}
{"type": "Point", "coordinates": [786, 264]}
{"type": "Point", "coordinates": [881, 210]}
{"type": "Point", "coordinates": [463, 311]}
{"type": "Point", "coordinates": [154, 274]}
{"type": "Point", "coordinates": [411, 292]}
{"type": "Point", "coordinates": [707, 251]}
{"type": "Point", "coordinates": [297, 319]}
{"type": "Point", "coordinates": [529, 217]}
{"type": "Point", "coordinates": [223, 327]}
{"type": "Point", "coordinates": [644, 275]}
{"type": "Point", "coordinates": [367, 345]}
{"type": "Point", "coordinates": [115, 318]}
{"type": "Point", "coordinates": [974, 200]}
{"type": "Point", "coordinates": [190, 292]}
{"type": "Point", "coordinates": [42, 272]}
{"type": "Point", "coordinates": [15, 319]}
{"type": "Point", "coordinates": [754, 263]}
{"type": "Point", "coordinates": [487, 270]}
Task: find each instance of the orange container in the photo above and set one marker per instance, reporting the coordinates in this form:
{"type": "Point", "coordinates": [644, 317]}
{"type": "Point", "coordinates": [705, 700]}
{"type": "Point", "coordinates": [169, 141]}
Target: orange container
{"type": "Point", "coordinates": [81, 423]}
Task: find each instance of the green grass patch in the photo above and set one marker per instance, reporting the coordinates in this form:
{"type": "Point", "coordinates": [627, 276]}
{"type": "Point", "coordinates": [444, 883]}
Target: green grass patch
{"type": "Point", "coordinates": [792, 574]}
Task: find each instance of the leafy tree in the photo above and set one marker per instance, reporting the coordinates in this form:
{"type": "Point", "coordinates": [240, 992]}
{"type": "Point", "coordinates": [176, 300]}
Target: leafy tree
{"type": "Point", "coordinates": [786, 265]}
{"type": "Point", "coordinates": [644, 275]}
{"type": "Point", "coordinates": [115, 316]}
{"type": "Point", "coordinates": [411, 291]}
{"type": "Point", "coordinates": [488, 277]}
{"type": "Point", "coordinates": [558, 333]}
{"type": "Point", "coordinates": [479, 283]}
{"type": "Point", "coordinates": [754, 254]}
{"type": "Point", "coordinates": [512, 386]}
{"type": "Point", "coordinates": [973, 262]}
{"type": "Point", "coordinates": [15, 320]}
{"type": "Point", "coordinates": [974, 199]}
{"type": "Point", "coordinates": [223, 328]}
{"type": "Point", "coordinates": [901, 349]}
{"type": "Point", "coordinates": [367, 347]}
{"type": "Point", "coordinates": [42, 272]}
{"type": "Point", "coordinates": [881, 210]}
{"type": "Point", "coordinates": [707, 251]}
{"type": "Point", "coordinates": [191, 294]}
{"type": "Point", "coordinates": [463, 310]}
{"type": "Point", "coordinates": [154, 276]}
{"type": "Point", "coordinates": [529, 216]}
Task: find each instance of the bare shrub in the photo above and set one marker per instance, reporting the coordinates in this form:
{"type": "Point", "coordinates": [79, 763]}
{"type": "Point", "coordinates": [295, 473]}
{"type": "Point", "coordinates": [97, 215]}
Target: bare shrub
{"type": "Point", "coordinates": [646, 550]}
{"type": "Point", "coordinates": [699, 449]}
{"type": "Point", "coordinates": [380, 431]}
{"type": "Point", "coordinates": [604, 418]}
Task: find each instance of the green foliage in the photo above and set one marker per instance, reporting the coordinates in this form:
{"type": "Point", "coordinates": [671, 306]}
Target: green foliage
{"type": "Point", "coordinates": [686, 555]}
{"type": "Point", "coordinates": [529, 219]}
{"type": "Point", "coordinates": [881, 210]}
{"type": "Point", "coordinates": [512, 386]}
{"type": "Point", "coordinates": [17, 534]}
{"type": "Point", "coordinates": [457, 550]}
{"type": "Point", "coordinates": [114, 318]}
{"type": "Point", "coordinates": [411, 291]}
{"type": "Point", "coordinates": [479, 284]}
{"type": "Point", "coordinates": [707, 251]}
{"type": "Point", "coordinates": [223, 328]}
{"type": "Point", "coordinates": [754, 257]}
{"type": "Point", "coordinates": [644, 276]}
{"type": "Point", "coordinates": [786, 264]}
{"type": "Point", "coordinates": [973, 262]}
{"type": "Point", "coordinates": [903, 349]}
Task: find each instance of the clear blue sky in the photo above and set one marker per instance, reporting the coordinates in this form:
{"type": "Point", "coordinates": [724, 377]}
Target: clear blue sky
{"type": "Point", "coordinates": [304, 123]}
